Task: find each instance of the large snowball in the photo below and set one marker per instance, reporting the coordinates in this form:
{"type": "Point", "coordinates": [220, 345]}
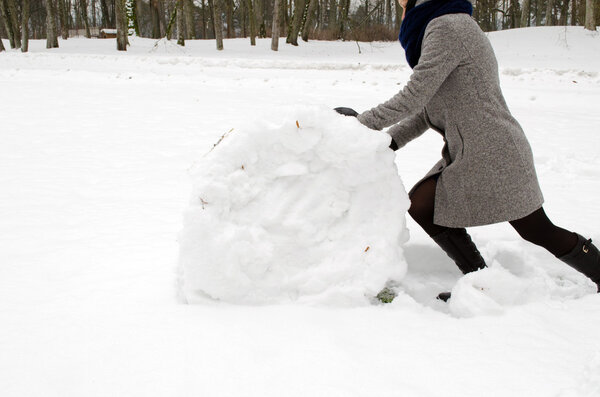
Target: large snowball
{"type": "Point", "coordinates": [307, 208]}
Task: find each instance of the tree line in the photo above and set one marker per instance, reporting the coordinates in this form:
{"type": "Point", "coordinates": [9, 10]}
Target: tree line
{"type": "Point", "coordinates": [366, 20]}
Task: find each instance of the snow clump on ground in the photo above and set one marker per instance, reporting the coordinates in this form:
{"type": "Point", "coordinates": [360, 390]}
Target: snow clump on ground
{"type": "Point", "coordinates": [307, 207]}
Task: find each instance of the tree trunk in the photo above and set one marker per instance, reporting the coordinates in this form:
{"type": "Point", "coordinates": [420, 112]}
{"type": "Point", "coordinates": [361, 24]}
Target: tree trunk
{"type": "Point", "coordinates": [51, 36]}
{"type": "Point", "coordinates": [252, 22]}
{"type": "Point", "coordinates": [244, 16]}
{"type": "Point", "coordinates": [122, 28]}
{"type": "Point", "coordinates": [84, 17]}
{"type": "Point", "coordinates": [180, 27]}
{"type": "Point", "coordinates": [398, 10]}
{"type": "Point", "coordinates": [549, 7]}
{"type": "Point", "coordinates": [310, 13]}
{"type": "Point", "coordinates": [14, 15]}
{"type": "Point", "coordinates": [203, 4]}
{"type": "Point", "coordinates": [590, 20]}
{"type": "Point", "coordinates": [229, 18]}
{"type": "Point", "coordinates": [2, 45]}
{"type": "Point", "coordinates": [275, 26]}
{"type": "Point", "coordinates": [332, 14]}
{"type": "Point", "coordinates": [189, 19]}
{"type": "Point", "coordinates": [63, 17]}
{"type": "Point", "coordinates": [388, 13]}
{"type": "Point", "coordinates": [564, 13]}
{"type": "Point", "coordinates": [573, 12]}
{"type": "Point", "coordinates": [155, 16]}
{"type": "Point", "coordinates": [538, 12]}
{"type": "Point", "coordinates": [105, 14]}
{"type": "Point", "coordinates": [218, 22]}
{"type": "Point", "coordinates": [259, 11]}
{"type": "Point", "coordinates": [7, 23]}
{"type": "Point", "coordinates": [11, 22]}
{"type": "Point", "coordinates": [296, 21]}
{"type": "Point", "coordinates": [525, 14]}
{"type": "Point", "coordinates": [25, 26]}
{"type": "Point", "coordinates": [344, 10]}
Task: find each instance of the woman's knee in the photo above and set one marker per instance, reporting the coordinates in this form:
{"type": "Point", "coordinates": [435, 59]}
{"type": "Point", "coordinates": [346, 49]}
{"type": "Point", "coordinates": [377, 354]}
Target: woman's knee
{"type": "Point", "coordinates": [422, 201]}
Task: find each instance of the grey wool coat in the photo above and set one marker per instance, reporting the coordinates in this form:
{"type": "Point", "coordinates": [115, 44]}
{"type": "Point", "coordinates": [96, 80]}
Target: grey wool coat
{"type": "Point", "coordinates": [486, 174]}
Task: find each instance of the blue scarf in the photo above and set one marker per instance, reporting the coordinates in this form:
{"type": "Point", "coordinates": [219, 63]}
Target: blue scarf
{"type": "Point", "coordinates": [416, 19]}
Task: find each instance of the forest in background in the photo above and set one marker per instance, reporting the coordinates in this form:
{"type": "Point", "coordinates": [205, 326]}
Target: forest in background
{"type": "Point", "coordinates": [365, 20]}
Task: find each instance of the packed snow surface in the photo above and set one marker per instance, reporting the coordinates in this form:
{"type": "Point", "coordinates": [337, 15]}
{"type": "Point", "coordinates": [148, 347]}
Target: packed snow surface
{"type": "Point", "coordinates": [306, 207]}
{"type": "Point", "coordinates": [95, 149]}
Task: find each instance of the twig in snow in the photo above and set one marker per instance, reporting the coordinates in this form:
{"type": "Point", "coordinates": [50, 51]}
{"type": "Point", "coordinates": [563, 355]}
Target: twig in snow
{"type": "Point", "coordinates": [219, 141]}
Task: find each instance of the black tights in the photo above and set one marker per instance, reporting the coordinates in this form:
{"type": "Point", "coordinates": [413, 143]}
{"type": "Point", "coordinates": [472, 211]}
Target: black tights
{"type": "Point", "coordinates": [535, 227]}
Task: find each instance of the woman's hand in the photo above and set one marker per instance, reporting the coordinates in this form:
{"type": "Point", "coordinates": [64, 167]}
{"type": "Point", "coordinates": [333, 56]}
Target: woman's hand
{"type": "Point", "coordinates": [346, 111]}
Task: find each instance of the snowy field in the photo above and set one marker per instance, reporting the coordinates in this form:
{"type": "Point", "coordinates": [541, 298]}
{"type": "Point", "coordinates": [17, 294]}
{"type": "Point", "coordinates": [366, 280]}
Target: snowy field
{"type": "Point", "coordinates": [94, 158]}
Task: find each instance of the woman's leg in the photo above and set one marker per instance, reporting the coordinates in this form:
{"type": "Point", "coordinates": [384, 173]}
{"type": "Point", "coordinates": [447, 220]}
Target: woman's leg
{"type": "Point", "coordinates": [422, 204]}
{"type": "Point", "coordinates": [539, 230]}
{"type": "Point", "coordinates": [454, 241]}
{"type": "Point", "coordinates": [569, 247]}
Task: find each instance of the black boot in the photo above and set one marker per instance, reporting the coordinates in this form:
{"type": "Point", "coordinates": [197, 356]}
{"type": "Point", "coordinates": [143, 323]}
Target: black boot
{"type": "Point", "coordinates": [584, 258]}
{"type": "Point", "coordinates": [460, 248]}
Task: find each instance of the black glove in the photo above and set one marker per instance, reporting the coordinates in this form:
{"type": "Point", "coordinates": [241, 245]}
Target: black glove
{"type": "Point", "coordinates": [393, 145]}
{"type": "Point", "coordinates": [346, 111]}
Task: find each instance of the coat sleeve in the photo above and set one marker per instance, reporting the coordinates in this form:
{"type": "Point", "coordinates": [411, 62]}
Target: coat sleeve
{"type": "Point", "coordinates": [408, 129]}
{"type": "Point", "coordinates": [440, 54]}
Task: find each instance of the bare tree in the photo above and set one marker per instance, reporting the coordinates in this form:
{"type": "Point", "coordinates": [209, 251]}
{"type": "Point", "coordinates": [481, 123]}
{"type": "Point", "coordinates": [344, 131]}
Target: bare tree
{"type": "Point", "coordinates": [180, 19]}
{"type": "Point", "coordinates": [525, 14]}
{"type": "Point", "coordinates": [275, 26]}
{"type": "Point", "coordinates": [310, 13]}
{"type": "Point", "coordinates": [8, 9]}
{"type": "Point", "coordinates": [155, 16]}
{"type": "Point", "coordinates": [122, 25]}
{"type": "Point", "coordinates": [25, 26]}
{"type": "Point", "coordinates": [590, 21]}
{"type": "Point", "coordinates": [218, 22]}
{"type": "Point", "coordinates": [63, 17]}
{"type": "Point", "coordinates": [252, 22]}
{"type": "Point", "coordinates": [229, 15]}
{"type": "Point", "coordinates": [549, 7]}
{"type": "Point", "coordinates": [51, 36]}
{"type": "Point", "coordinates": [296, 22]}
{"type": "Point", "coordinates": [188, 6]}
{"type": "Point", "coordinates": [84, 17]}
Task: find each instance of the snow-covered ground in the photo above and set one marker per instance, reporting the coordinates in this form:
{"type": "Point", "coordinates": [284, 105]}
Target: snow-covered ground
{"type": "Point", "coordinates": [94, 157]}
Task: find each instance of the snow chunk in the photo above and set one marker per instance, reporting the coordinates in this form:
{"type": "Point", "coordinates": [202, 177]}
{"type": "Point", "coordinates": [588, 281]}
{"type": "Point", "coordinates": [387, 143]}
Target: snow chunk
{"type": "Point", "coordinates": [491, 290]}
{"type": "Point", "coordinates": [307, 209]}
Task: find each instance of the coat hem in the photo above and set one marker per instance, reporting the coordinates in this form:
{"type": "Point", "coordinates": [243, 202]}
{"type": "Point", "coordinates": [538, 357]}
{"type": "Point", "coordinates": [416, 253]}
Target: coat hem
{"type": "Point", "coordinates": [488, 220]}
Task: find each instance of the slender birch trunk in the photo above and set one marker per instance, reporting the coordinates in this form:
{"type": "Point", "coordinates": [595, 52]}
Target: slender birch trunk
{"type": "Point", "coordinates": [25, 26]}
{"type": "Point", "coordinates": [180, 27]}
{"type": "Point", "coordinates": [275, 26]}
{"type": "Point", "coordinates": [252, 21]}
{"type": "Point", "coordinates": [218, 22]}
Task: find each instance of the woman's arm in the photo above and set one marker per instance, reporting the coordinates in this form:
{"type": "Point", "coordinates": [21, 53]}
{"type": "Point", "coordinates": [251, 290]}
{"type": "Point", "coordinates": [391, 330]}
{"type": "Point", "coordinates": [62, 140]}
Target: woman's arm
{"type": "Point", "coordinates": [408, 129]}
{"type": "Point", "coordinates": [440, 55]}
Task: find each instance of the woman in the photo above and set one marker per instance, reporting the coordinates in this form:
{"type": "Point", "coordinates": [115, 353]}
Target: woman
{"type": "Point", "coordinates": [486, 174]}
